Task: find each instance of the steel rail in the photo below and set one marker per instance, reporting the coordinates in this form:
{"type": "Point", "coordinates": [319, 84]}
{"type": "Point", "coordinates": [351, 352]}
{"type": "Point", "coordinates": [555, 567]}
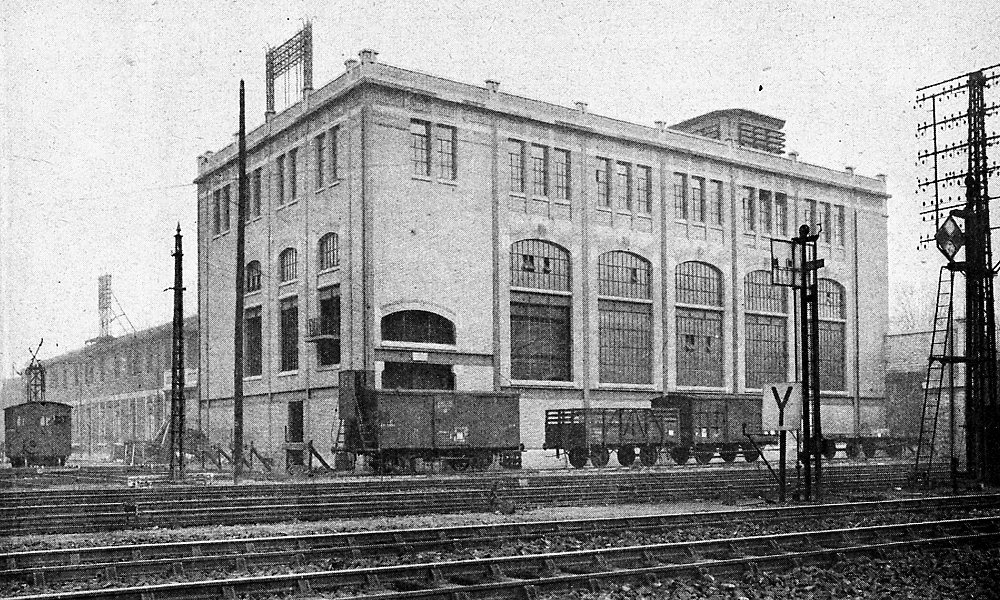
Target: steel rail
{"type": "Point", "coordinates": [517, 576]}
{"type": "Point", "coordinates": [41, 567]}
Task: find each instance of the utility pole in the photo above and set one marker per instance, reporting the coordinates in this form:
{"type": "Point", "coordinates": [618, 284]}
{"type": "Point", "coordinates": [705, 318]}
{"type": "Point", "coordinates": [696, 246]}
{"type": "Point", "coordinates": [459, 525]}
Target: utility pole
{"type": "Point", "coordinates": [177, 366]}
{"type": "Point", "coordinates": [240, 275]}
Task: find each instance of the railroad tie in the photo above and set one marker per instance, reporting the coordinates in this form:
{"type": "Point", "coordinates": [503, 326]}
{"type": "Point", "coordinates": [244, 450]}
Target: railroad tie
{"type": "Point", "coordinates": [38, 578]}
{"type": "Point", "coordinates": [195, 550]}
{"type": "Point", "coordinates": [695, 555]}
{"type": "Point", "coordinates": [372, 582]}
{"type": "Point", "coordinates": [496, 573]}
{"type": "Point", "coordinates": [303, 586]}
{"type": "Point", "coordinates": [228, 593]}
{"type": "Point", "coordinates": [530, 592]}
{"type": "Point", "coordinates": [110, 573]}
{"type": "Point", "coordinates": [177, 568]}
{"type": "Point", "coordinates": [300, 560]}
{"type": "Point", "coordinates": [648, 560]}
{"type": "Point", "coordinates": [11, 563]}
{"type": "Point", "coordinates": [436, 578]}
{"type": "Point", "coordinates": [593, 585]}
{"type": "Point", "coordinates": [735, 551]}
{"type": "Point", "coordinates": [601, 562]}
{"type": "Point", "coordinates": [550, 567]}
{"type": "Point", "coordinates": [241, 563]}
{"type": "Point", "coordinates": [74, 558]}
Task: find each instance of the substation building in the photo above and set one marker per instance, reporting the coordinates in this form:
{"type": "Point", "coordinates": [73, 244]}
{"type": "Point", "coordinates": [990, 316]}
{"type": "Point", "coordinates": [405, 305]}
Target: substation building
{"type": "Point", "coordinates": [433, 234]}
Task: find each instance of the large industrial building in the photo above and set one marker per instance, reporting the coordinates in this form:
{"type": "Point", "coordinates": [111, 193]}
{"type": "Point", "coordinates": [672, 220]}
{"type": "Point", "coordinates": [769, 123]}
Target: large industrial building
{"type": "Point", "coordinates": [442, 235]}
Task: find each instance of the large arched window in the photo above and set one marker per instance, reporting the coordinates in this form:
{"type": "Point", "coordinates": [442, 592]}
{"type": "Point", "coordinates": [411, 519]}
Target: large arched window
{"type": "Point", "coordinates": [251, 281]}
{"type": "Point", "coordinates": [288, 265]}
{"type": "Point", "coordinates": [417, 326]}
{"type": "Point", "coordinates": [766, 330]}
{"type": "Point", "coordinates": [540, 306]}
{"type": "Point", "coordinates": [625, 311]}
{"type": "Point", "coordinates": [699, 325]}
{"type": "Point", "coordinates": [832, 326]}
{"type": "Point", "coordinates": [329, 251]}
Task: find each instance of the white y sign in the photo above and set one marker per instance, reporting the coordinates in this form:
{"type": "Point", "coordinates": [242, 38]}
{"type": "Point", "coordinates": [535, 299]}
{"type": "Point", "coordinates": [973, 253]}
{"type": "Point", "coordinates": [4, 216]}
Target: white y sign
{"type": "Point", "coordinates": [782, 407]}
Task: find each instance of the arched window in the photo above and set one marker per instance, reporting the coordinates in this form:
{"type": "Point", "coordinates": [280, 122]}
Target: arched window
{"type": "Point", "coordinates": [417, 326]}
{"type": "Point", "coordinates": [251, 282]}
{"type": "Point", "coordinates": [288, 265]}
{"type": "Point", "coordinates": [766, 330]}
{"type": "Point", "coordinates": [540, 307]}
{"type": "Point", "coordinates": [625, 313]}
{"type": "Point", "coordinates": [329, 251]}
{"type": "Point", "coordinates": [699, 325]}
{"type": "Point", "coordinates": [832, 326]}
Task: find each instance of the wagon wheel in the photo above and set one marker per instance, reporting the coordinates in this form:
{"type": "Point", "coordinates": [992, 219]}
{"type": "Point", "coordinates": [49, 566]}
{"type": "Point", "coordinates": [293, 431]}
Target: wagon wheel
{"type": "Point", "coordinates": [578, 457]}
{"type": "Point", "coordinates": [648, 455]}
{"type": "Point", "coordinates": [829, 449]}
{"type": "Point", "coordinates": [626, 455]}
{"type": "Point", "coordinates": [461, 464]}
{"type": "Point", "coordinates": [680, 455]}
{"type": "Point", "coordinates": [482, 460]}
{"type": "Point", "coordinates": [751, 455]}
{"type": "Point", "coordinates": [853, 450]}
{"type": "Point", "coordinates": [599, 456]}
{"type": "Point", "coordinates": [869, 449]}
{"type": "Point", "coordinates": [728, 453]}
{"type": "Point", "coordinates": [703, 457]}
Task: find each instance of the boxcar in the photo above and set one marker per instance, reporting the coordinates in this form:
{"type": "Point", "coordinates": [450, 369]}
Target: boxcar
{"type": "Point", "coordinates": [593, 433]}
{"type": "Point", "coordinates": [715, 424]}
{"type": "Point", "coordinates": [38, 433]}
{"type": "Point", "coordinates": [461, 429]}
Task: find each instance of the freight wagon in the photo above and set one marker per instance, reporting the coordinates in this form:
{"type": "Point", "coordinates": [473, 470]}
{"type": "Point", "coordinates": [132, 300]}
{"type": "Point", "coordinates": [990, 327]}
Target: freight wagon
{"type": "Point", "coordinates": [38, 433]}
{"type": "Point", "coordinates": [593, 433]}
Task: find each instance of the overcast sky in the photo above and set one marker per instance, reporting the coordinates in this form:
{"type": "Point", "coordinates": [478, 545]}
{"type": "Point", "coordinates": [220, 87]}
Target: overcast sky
{"type": "Point", "coordinates": [106, 105]}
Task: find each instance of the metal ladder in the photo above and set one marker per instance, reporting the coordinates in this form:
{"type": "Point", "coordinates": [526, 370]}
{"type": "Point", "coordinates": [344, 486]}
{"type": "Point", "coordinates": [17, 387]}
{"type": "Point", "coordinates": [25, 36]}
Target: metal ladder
{"type": "Point", "coordinates": [939, 361]}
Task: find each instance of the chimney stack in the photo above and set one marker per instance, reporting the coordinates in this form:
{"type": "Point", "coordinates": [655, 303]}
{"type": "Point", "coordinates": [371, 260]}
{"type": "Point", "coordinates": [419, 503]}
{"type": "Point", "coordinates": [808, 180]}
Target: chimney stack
{"type": "Point", "coordinates": [792, 154]}
{"type": "Point", "coordinates": [367, 56]}
{"type": "Point", "coordinates": [849, 169]}
{"type": "Point", "coordinates": [661, 126]}
{"type": "Point", "coordinates": [493, 85]}
{"type": "Point", "coordinates": [581, 106]}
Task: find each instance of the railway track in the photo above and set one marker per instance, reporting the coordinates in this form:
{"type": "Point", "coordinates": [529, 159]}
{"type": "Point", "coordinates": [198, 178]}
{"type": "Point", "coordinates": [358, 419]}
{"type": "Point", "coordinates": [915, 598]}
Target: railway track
{"type": "Point", "coordinates": [505, 576]}
{"type": "Point", "coordinates": [81, 511]}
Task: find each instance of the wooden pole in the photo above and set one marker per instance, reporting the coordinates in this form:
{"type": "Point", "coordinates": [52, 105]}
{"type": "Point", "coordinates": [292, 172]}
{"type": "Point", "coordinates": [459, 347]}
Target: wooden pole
{"type": "Point", "coordinates": [238, 317]}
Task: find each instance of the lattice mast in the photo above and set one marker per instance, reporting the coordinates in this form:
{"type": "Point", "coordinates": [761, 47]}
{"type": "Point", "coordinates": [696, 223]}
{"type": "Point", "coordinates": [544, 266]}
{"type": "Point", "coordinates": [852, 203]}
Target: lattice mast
{"type": "Point", "coordinates": [982, 417]}
{"type": "Point", "coordinates": [290, 62]}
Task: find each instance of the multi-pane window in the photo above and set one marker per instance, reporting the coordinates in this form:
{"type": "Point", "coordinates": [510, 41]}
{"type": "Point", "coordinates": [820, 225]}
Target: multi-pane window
{"type": "Point", "coordinates": [418, 327]}
{"type": "Point", "coordinates": [279, 178]}
{"type": "Point", "coordinates": [764, 210]}
{"type": "Point", "coordinates": [832, 325]}
{"type": "Point", "coordinates": [539, 170]}
{"type": "Point", "coordinates": [289, 321]}
{"type": "Point", "coordinates": [252, 278]}
{"type": "Point", "coordinates": [320, 147]}
{"type": "Point", "coordinates": [420, 146]}
{"type": "Point", "coordinates": [839, 227]}
{"type": "Point", "coordinates": [749, 209]}
{"type": "Point", "coordinates": [217, 212]}
{"type": "Point", "coordinates": [541, 340]}
{"type": "Point", "coordinates": [766, 330]}
{"type": "Point", "coordinates": [562, 173]}
{"type": "Point", "coordinates": [293, 174]}
{"type": "Point", "coordinates": [329, 251]}
{"type": "Point", "coordinates": [680, 196]}
{"type": "Point", "coordinates": [780, 213]}
{"type": "Point", "coordinates": [252, 342]}
{"type": "Point", "coordinates": [623, 186]}
{"type": "Point", "coordinates": [809, 213]}
{"type": "Point", "coordinates": [625, 313]}
{"type": "Point", "coordinates": [699, 325]}
{"type": "Point", "coordinates": [715, 203]}
{"type": "Point", "coordinates": [697, 206]}
{"type": "Point", "coordinates": [255, 193]}
{"type": "Point", "coordinates": [603, 178]}
{"type": "Point", "coordinates": [825, 220]}
{"type": "Point", "coordinates": [288, 265]}
{"type": "Point", "coordinates": [446, 149]}
{"type": "Point", "coordinates": [643, 189]}
{"type": "Point", "coordinates": [226, 206]}
{"type": "Point", "coordinates": [515, 161]}
{"type": "Point", "coordinates": [328, 346]}
{"type": "Point", "coordinates": [334, 154]}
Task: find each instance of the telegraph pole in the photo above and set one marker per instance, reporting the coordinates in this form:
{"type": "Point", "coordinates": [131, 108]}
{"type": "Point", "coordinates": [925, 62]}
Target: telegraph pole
{"type": "Point", "coordinates": [177, 366]}
{"type": "Point", "coordinates": [238, 317]}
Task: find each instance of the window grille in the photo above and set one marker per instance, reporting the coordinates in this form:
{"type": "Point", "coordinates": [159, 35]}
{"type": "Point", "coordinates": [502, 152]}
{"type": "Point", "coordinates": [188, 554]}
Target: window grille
{"type": "Point", "coordinates": [623, 186]}
{"type": "Point", "coordinates": [255, 192]}
{"type": "Point", "coordinates": [698, 199]}
{"type": "Point", "coordinates": [825, 218]}
{"type": "Point", "coordinates": [766, 334]}
{"type": "Point", "coordinates": [217, 212]}
{"type": "Point", "coordinates": [320, 160]}
{"type": "Point", "coordinates": [420, 145]}
{"type": "Point", "coordinates": [279, 183]}
{"type": "Point", "coordinates": [626, 341]}
{"type": "Point", "coordinates": [288, 264]}
{"type": "Point", "coordinates": [781, 213]}
{"type": "Point", "coordinates": [764, 206]}
{"type": "Point", "coordinates": [329, 251]}
{"type": "Point", "coordinates": [624, 275]}
{"type": "Point", "coordinates": [252, 277]}
{"type": "Point", "coordinates": [539, 264]}
{"type": "Point", "coordinates": [761, 296]}
{"type": "Point", "coordinates": [539, 170]}
{"type": "Point", "coordinates": [680, 196]}
{"type": "Point", "coordinates": [809, 212]}
{"type": "Point", "coordinates": [562, 174]}
{"type": "Point", "coordinates": [417, 326]}
{"type": "Point", "coordinates": [715, 204]}
{"type": "Point", "coordinates": [328, 349]}
{"type": "Point", "coordinates": [699, 283]}
{"type": "Point", "coordinates": [749, 209]}
{"type": "Point", "coordinates": [293, 174]}
{"type": "Point", "coordinates": [830, 299]}
{"type": "Point", "coordinates": [225, 207]}
{"type": "Point", "coordinates": [699, 347]}
{"type": "Point", "coordinates": [540, 337]}
{"type": "Point", "coordinates": [643, 189]}
{"type": "Point", "coordinates": [289, 334]}
{"type": "Point", "coordinates": [446, 142]}
{"type": "Point", "coordinates": [831, 356]}
{"type": "Point", "coordinates": [335, 154]}
{"type": "Point", "coordinates": [515, 156]}
{"type": "Point", "coordinates": [603, 182]}
{"type": "Point", "coordinates": [839, 227]}
{"type": "Point", "coordinates": [252, 342]}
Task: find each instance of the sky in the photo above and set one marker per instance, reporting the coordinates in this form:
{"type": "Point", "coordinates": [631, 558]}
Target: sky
{"type": "Point", "coordinates": [106, 106]}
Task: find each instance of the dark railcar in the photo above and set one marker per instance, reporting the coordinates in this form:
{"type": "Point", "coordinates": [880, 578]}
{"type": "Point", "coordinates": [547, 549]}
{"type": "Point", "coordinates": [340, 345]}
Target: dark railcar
{"type": "Point", "coordinates": [462, 429]}
{"type": "Point", "coordinates": [38, 433]}
{"type": "Point", "coordinates": [593, 433]}
{"type": "Point", "coordinates": [716, 424]}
